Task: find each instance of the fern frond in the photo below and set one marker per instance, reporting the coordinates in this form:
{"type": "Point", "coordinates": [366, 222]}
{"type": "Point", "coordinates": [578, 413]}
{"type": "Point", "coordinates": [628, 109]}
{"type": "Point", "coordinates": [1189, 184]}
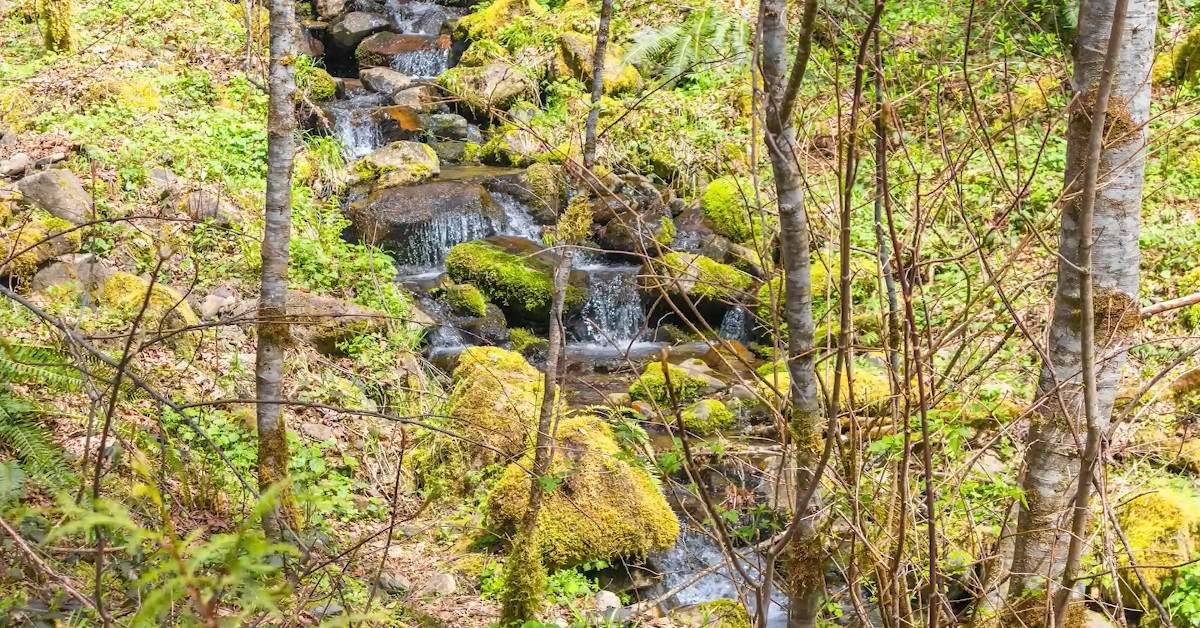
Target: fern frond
{"type": "Point", "coordinates": [649, 44]}
{"type": "Point", "coordinates": [681, 57]}
{"type": "Point", "coordinates": [34, 363]}
{"type": "Point", "coordinates": [32, 443]}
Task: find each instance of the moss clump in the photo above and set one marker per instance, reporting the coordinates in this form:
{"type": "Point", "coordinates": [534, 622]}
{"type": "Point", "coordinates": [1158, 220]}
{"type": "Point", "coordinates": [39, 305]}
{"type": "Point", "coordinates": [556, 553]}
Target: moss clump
{"type": "Point", "coordinates": [521, 286]}
{"type": "Point", "coordinates": [135, 95]}
{"type": "Point", "coordinates": [522, 339]}
{"type": "Point", "coordinates": [707, 416]}
{"type": "Point", "coordinates": [726, 209]}
{"type": "Point", "coordinates": [1163, 528]}
{"type": "Point", "coordinates": [482, 52]}
{"type": "Point", "coordinates": [315, 82]}
{"type": "Point", "coordinates": [652, 385]}
{"type": "Point", "coordinates": [487, 22]}
{"type": "Point", "coordinates": [16, 109]}
{"type": "Point", "coordinates": [510, 148]}
{"type": "Point", "coordinates": [494, 404]}
{"type": "Point", "coordinates": [165, 309]}
{"type": "Point", "coordinates": [1181, 63]}
{"type": "Point", "coordinates": [724, 613]}
{"type": "Point", "coordinates": [824, 282]}
{"type": "Point", "coordinates": [603, 509]}
{"type": "Point", "coordinates": [465, 299]}
{"type": "Point", "coordinates": [35, 234]}
{"type": "Point", "coordinates": [471, 152]}
{"type": "Point", "coordinates": [701, 277]}
{"type": "Point", "coordinates": [546, 183]}
{"type": "Point", "coordinates": [524, 583]}
{"type": "Point", "coordinates": [57, 23]}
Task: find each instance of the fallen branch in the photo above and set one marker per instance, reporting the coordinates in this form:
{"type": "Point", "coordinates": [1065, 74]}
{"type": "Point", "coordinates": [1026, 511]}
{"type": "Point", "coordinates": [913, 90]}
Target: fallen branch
{"type": "Point", "coordinates": [41, 565]}
{"type": "Point", "coordinates": [1173, 304]}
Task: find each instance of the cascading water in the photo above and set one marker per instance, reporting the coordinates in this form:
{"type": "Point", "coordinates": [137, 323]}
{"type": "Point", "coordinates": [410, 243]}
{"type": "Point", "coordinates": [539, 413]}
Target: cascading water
{"type": "Point", "coordinates": [695, 552]}
{"type": "Point", "coordinates": [612, 315]}
{"type": "Point", "coordinates": [433, 241]}
{"type": "Point", "coordinates": [419, 18]}
{"type": "Point", "coordinates": [520, 222]}
{"type": "Point", "coordinates": [734, 325]}
{"type": "Point", "coordinates": [425, 64]}
{"type": "Point", "coordinates": [354, 126]}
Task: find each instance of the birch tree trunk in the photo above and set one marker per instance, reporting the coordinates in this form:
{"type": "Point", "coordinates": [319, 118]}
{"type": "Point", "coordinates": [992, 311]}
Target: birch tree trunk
{"type": "Point", "coordinates": [273, 332]}
{"type": "Point", "coordinates": [1059, 430]}
{"type": "Point", "coordinates": [593, 119]}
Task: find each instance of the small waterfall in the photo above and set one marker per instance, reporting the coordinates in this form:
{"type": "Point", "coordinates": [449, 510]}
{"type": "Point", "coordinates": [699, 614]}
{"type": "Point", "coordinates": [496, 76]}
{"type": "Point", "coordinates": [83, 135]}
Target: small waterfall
{"type": "Point", "coordinates": [694, 552]}
{"type": "Point", "coordinates": [520, 222]}
{"type": "Point", "coordinates": [432, 241]}
{"type": "Point", "coordinates": [352, 124]}
{"type": "Point", "coordinates": [613, 314]}
{"type": "Point", "coordinates": [425, 64]}
{"type": "Point", "coordinates": [419, 18]}
{"type": "Point", "coordinates": [734, 325]}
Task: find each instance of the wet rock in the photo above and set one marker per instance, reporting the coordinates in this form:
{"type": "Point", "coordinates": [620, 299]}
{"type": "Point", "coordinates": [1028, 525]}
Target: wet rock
{"type": "Point", "coordinates": [384, 80]}
{"type": "Point", "coordinates": [398, 123]}
{"type": "Point", "coordinates": [381, 49]}
{"type": "Point", "coordinates": [489, 329]}
{"type": "Point", "coordinates": [618, 399]}
{"type": "Point", "coordinates": [393, 582]}
{"type": "Point", "coordinates": [494, 85]}
{"type": "Point", "coordinates": [324, 321]}
{"type": "Point", "coordinates": [440, 584]}
{"type": "Point", "coordinates": [16, 165]}
{"type": "Point", "coordinates": [325, 611]}
{"type": "Point", "coordinates": [407, 221]}
{"type": "Point", "coordinates": [632, 230]}
{"type": "Point", "coordinates": [450, 151]}
{"type": "Point", "coordinates": [309, 40]}
{"type": "Point", "coordinates": [399, 163]}
{"type": "Point", "coordinates": [728, 357]}
{"type": "Point", "coordinates": [694, 235]}
{"type": "Point", "coordinates": [697, 369]}
{"type": "Point", "coordinates": [420, 98]}
{"type": "Point", "coordinates": [356, 26]}
{"type": "Point", "coordinates": [328, 8]}
{"type": "Point", "coordinates": [742, 392]}
{"type": "Point", "coordinates": [59, 192]}
{"type": "Point", "coordinates": [446, 126]}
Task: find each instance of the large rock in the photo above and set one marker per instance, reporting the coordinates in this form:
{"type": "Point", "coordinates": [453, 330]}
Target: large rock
{"type": "Point", "coordinates": [712, 287]}
{"type": "Point", "coordinates": [27, 246]}
{"type": "Point", "coordinates": [165, 309]}
{"type": "Point", "coordinates": [511, 147]}
{"type": "Point", "coordinates": [355, 27]}
{"type": "Point", "coordinates": [85, 270]}
{"type": "Point", "coordinates": [205, 206]}
{"type": "Point", "coordinates": [483, 88]}
{"type": "Point", "coordinates": [399, 163]}
{"type": "Point", "coordinates": [417, 97]}
{"type": "Point", "coordinates": [446, 126]}
{"type": "Point", "coordinates": [418, 224]}
{"type": "Point", "coordinates": [604, 508]}
{"type": "Point", "coordinates": [59, 192]}
{"type": "Point", "coordinates": [574, 59]}
{"type": "Point", "coordinates": [634, 231]}
{"type": "Point", "coordinates": [324, 321]}
{"type": "Point", "coordinates": [516, 275]}
{"type": "Point", "coordinates": [384, 80]}
{"type": "Point", "coordinates": [382, 49]}
{"type": "Point", "coordinates": [328, 8]}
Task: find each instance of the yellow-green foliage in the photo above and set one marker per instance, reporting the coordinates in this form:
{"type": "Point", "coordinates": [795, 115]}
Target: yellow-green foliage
{"type": "Point", "coordinates": [1181, 63]}
{"type": "Point", "coordinates": [484, 24]}
{"type": "Point", "coordinates": [521, 339]}
{"type": "Point", "coordinates": [603, 508]}
{"type": "Point", "coordinates": [652, 386]}
{"type": "Point", "coordinates": [1189, 283]}
{"type": "Point", "coordinates": [24, 265]}
{"type": "Point", "coordinates": [545, 182]}
{"type": "Point", "coordinates": [707, 416]}
{"type": "Point", "coordinates": [575, 223]}
{"type": "Point", "coordinates": [1032, 96]}
{"type": "Point", "coordinates": [703, 278]}
{"type": "Point", "coordinates": [824, 282]}
{"type": "Point", "coordinates": [316, 83]}
{"type": "Point", "coordinates": [726, 209]}
{"type": "Point", "coordinates": [131, 94]}
{"type": "Point", "coordinates": [57, 22]}
{"type": "Point", "coordinates": [521, 286]}
{"type": "Point", "coordinates": [482, 52]}
{"type": "Point", "coordinates": [871, 386]}
{"type": "Point", "coordinates": [576, 50]}
{"type": "Point", "coordinates": [724, 613]}
{"type": "Point", "coordinates": [16, 108]}
{"type": "Point", "coordinates": [165, 309]}
{"type": "Point", "coordinates": [465, 299]}
{"type": "Point", "coordinates": [494, 403]}
{"type": "Point", "coordinates": [1163, 528]}
{"type": "Point", "coordinates": [524, 583]}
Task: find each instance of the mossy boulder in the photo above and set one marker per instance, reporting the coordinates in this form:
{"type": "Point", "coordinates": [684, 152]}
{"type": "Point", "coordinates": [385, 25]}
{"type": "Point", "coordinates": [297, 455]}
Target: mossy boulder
{"type": "Point", "coordinates": [825, 283]}
{"type": "Point", "coordinates": [705, 280]}
{"type": "Point", "coordinates": [1181, 63]}
{"type": "Point", "coordinates": [398, 163]}
{"type": "Point", "coordinates": [465, 300]}
{"type": "Point", "coordinates": [491, 412]}
{"type": "Point", "coordinates": [1163, 528]}
{"type": "Point", "coordinates": [317, 84]}
{"type": "Point", "coordinates": [604, 508]}
{"type": "Point", "coordinates": [487, 87]}
{"type": "Point", "coordinates": [651, 386]}
{"type": "Point", "coordinates": [723, 613]}
{"type": "Point", "coordinates": [574, 59]}
{"type": "Point", "coordinates": [20, 263]}
{"type": "Point", "coordinates": [548, 190]}
{"type": "Point", "coordinates": [324, 321]}
{"type": "Point", "coordinates": [165, 309]}
{"type": "Point", "coordinates": [707, 416]}
{"type": "Point", "coordinates": [510, 147]}
{"type": "Point", "coordinates": [871, 388]}
{"type": "Point", "coordinates": [726, 207]}
{"type": "Point", "coordinates": [521, 284]}
{"type": "Point", "coordinates": [487, 22]}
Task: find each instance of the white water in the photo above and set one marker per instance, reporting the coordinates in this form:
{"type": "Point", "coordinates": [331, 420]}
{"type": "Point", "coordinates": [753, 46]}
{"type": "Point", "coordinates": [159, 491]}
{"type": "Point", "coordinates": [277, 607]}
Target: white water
{"type": "Point", "coordinates": [432, 241]}
{"type": "Point", "coordinates": [426, 64]}
{"type": "Point", "coordinates": [418, 18]}
{"type": "Point", "coordinates": [733, 325]}
{"type": "Point", "coordinates": [613, 314]}
{"type": "Point", "coordinates": [520, 222]}
{"type": "Point", "coordinates": [352, 124]}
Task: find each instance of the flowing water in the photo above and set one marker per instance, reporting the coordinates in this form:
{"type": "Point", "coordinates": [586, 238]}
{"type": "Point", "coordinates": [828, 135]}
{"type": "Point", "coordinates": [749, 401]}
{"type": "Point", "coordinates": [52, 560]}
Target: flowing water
{"type": "Point", "coordinates": [424, 64]}
{"type": "Point", "coordinates": [354, 126]}
{"type": "Point", "coordinates": [520, 222]}
{"type": "Point", "coordinates": [434, 239]}
{"type": "Point", "coordinates": [735, 325]}
{"type": "Point", "coordinates": [613, 314]}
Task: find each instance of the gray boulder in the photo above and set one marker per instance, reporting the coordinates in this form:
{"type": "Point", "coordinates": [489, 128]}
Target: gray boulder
{"type": "Point", "coordinates": [384, 80]}
{"type": "Point", "coordinates": [328, 8]}
{"type": "Point", "coordinates": [494, 85]}
{"type": "Point", "coordinates": [59, 192]}
{"type": "Point", "coordinates": [355, 27]}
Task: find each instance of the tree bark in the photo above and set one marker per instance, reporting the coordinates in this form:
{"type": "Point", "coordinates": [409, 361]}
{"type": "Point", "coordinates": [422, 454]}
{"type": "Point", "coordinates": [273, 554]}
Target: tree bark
{"type": "Point", "coordinates": [593, 119]}
{"type": "Point", "coordinates": [273, 332]}
{"type": "Point", "coordinates": [58, 28]}
{"type": "Point", "coordinates": [1056, 436]}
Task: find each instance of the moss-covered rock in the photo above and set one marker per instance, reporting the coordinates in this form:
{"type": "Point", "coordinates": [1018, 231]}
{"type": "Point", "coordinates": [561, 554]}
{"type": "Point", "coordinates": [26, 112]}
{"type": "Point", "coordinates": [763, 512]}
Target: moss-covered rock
{"type": "Point", "coordinates": [574, 59]}
{"type": "Point", "coordinates": [487, 87]}
{"type": "Point", "coordinates": [825, 283]}
{"type": "Point", "coordinates": [1181, 63]}
{"type": "Point", "coordinates": [487, 22]}
{"type": "Point", "coordinates": [547, 186]}
{"type": "Point", "coordinates": [324, 321]}
{"type": "Point", "coordinates": [398, 163]}
{"type": "Point", "coordinates": [34, 234]}
{"type": "Point", "coordinates": [871, 387]}
{"type": "Point", "coordinates": [1163, 528]}
{"type": "Point", "coordinates": [315, 82]}
{"type": "Point", "coordinates": [726, 208]}
{"type": "Point", "coordinates": [137, 95]}
{"type": "Point", "coordinates": [707, 416]}
{"type": "Point", "coordinates": [522, 286]}
{"type": "Point", "coordinates": [724, 613]}
{"type": "Point", "coordinates": [510, 147]}
{"type": "Point", "coordinates": [494, 404]}
{"type": "Point", "coordinates": [465, 300]}
{"type": "Point", "coordinates": [603, 509]}
{"type": "Point", "coordinates": [165, 309]}
{"type": "Point", "coordinates": [482, 52]}
{"type": "Point", "coordinates": [652, 385]}
{"type": "Point", "coordinates": [700, 277]}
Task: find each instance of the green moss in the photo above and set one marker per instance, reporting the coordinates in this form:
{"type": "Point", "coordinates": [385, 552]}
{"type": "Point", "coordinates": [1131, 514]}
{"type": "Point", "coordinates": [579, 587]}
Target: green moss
{"type": "Point", "coordinates": [494, 404]}
{"type": "Point", "coordinates": [315, 82]}
{"type": "Point", "coordinates": [652, 386]}
{"type": "Point", "coordinates": [524, 583]}
{"type": "Point", "coordinates": [499, 151]}
{"type": "Point", "coordinates": [125, 294]}
{"type": "Point", "coordinates": [1163, 528]}
{"type": "Point", "coordinates": [666, 234]}
{"type": "Point", "coordinates": [482, 88]}
{"type": "Point", "coordinates": [58, 29]}
{"type": "Point", "coordinates": [546, 183]}
{"type": "Point", "coordinates": [23, 266]}
{"type": "Point", "coordinates": [1181, 63]}
{"type": "Point", "coordinates": [707, 416]}
{"type": "Point", "coordinates": [465, 299]}
{"type": "Point", "coordinates": [487, 22]}
{"type": "Point", "coordinates": [603, 508]}
{"type": "Point", "coordinates": [725, 207]}
{"type": "Point", "coordinates": [824, 282]}
{"type": "Point", "coordinates": [521, 286]}
{"type": "Point", "coordinates": [131, 94]}
{"type": "Point", "coordinates": [701, 277]}
{"type": "Point", "coordinates": [471, 152]}
{"type": "Point", "coordinates": [724, 613]}
{"type": "Point", "coordinates": [522, 339]}
{"type": "Point", "coordinates": [482, 52]}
